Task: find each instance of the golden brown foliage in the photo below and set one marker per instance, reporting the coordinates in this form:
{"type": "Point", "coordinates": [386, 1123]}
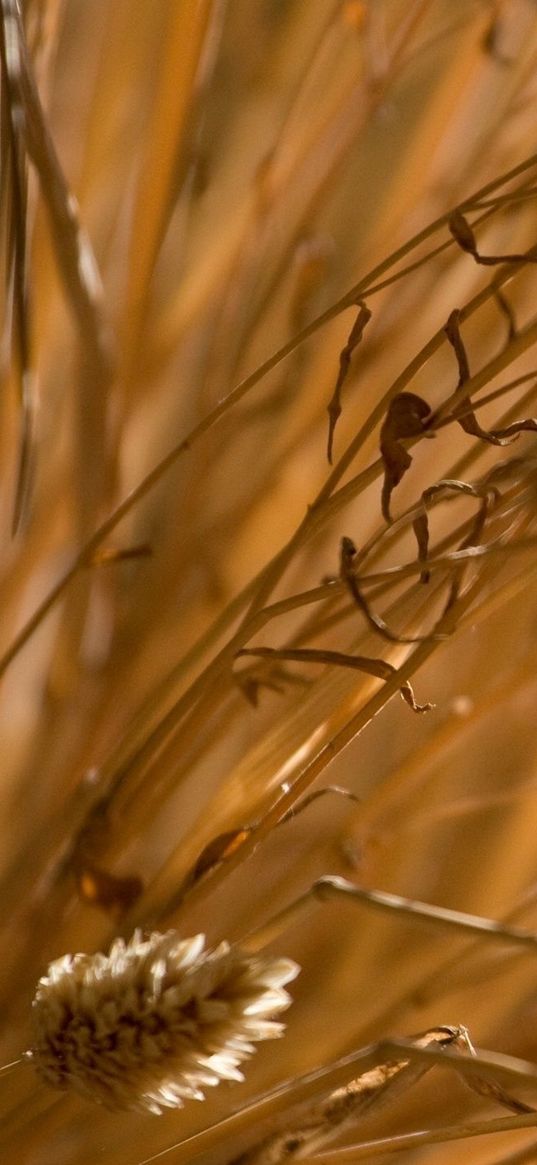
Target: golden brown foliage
{"type": "Point", "coordinates": [212, 213]}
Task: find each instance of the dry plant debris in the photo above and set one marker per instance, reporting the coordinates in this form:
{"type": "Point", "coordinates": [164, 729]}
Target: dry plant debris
{"type": "Point", "coordinates": [216, 221]}
{"type": "Point", "coordinates": [345, 356]}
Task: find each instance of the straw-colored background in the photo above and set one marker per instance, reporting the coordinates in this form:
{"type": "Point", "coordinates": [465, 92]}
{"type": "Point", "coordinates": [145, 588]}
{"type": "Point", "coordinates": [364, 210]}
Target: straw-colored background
{"type": "Point", "coordinates": [239, 166]}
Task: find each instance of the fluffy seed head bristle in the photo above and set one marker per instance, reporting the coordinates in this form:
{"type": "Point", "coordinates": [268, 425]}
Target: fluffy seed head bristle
{"type": "Point", "coordinates": [155, 1022]}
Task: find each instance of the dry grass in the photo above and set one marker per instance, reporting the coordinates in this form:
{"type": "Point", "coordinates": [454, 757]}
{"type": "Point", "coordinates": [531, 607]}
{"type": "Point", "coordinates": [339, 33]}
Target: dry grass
{"type": "Point", "coordinates": [248, 173]}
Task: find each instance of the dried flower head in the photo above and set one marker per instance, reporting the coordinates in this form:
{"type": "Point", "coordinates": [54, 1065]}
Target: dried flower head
{"type": "Point", "coordinates": [155, 1021]}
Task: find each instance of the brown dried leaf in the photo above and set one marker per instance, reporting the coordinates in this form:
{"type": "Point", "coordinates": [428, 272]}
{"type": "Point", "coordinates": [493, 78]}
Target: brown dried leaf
{"type": "Point", "coordinates": [465, 237]}
{"type": "Point", "coordinates": [348, 576]}
{"type": "Point", "coordinates": [467, 419]}
{"type": "Point", "coordinates": [218, 850]}
{"type": "Point", "coordinates": [462, 232]}
{"type": "Point", "coordinates": [274, 678]}
{"type": "Point", "coordinates": [470, 544]}
{"type": "Point", "coordinates": [407, 416]}
{"type": "Point", "coordinates": [488, 496]}
{"type": "Point", "coordinates": [309, 799]}
{"type": "Point", "coordinates": [452, 330]}
{"type": "Point", "coordinates": [334, 408]}
{"type": "Point", "coordinates": [527, 426]}
{"type": "Point", "coordinates": [374, 667]}
{"type": "Point", "coordinates": [224, 846]}
{"type": "Point", "coordinates": [420, 526]}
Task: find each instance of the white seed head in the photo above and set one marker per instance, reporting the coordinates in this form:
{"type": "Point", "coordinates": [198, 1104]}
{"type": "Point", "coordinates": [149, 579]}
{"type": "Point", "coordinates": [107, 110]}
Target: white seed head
{"type": "Point", "coordinates": [155, 1022]}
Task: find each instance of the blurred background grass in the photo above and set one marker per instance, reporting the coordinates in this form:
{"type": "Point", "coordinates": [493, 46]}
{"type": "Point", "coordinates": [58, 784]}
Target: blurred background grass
{"type": "Point", "coordinates": [238, 167]}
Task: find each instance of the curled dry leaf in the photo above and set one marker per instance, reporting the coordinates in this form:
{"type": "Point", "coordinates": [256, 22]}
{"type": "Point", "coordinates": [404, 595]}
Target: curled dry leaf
{"type": "Point", "coordinates": [272, 677]}
{"type": "Point", "coordinates": [407, 416]}
{"type": "Point", "coordinates": [467, 419]}
{"type": "Point", "coordinates": [527, 426]}
{"type": "Point", "coordinates": [348, 576]}
{"type": "Point", "coordinates": [373, 667]}
{"type": "Point", "coordinates": [488, 496]}
{"type": "Point", "coordinates": [219, 849]}
{"type": "Point", "coordinates": [223, 847]}
{"type": "Point", "coordinates": [463, 234]}
{"type": "Point", "coordinates": [334, 408]}
{"type": "Point", "coordinates": [310, 798]}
